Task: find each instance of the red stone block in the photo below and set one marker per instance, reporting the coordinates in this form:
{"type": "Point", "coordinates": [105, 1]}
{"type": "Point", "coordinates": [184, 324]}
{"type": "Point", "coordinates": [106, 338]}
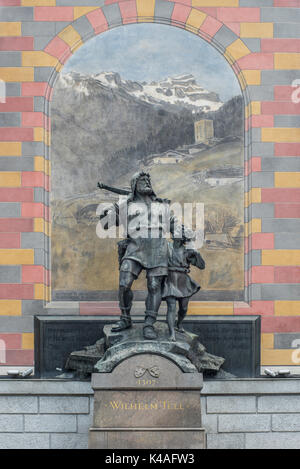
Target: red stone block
{"type": "Point", "coordinates": [280, 324]}
{"type": "Point", "coordinates": [271, 107]}
{"type": "Point", "coordinates": [246, 244]}
{"type": "Point", "coordinates": [33, 274]}
{"type": "Point", "coordinates": [280, 195]}
{"type": "Point", "coordinates": [128, 12]}
{"type": "Point", "coordinates": [255, 164]}
{"type": "Point", "coordinates": [53, 14]}
{"type": "Point", "coordinates": [290, 274]}
{"type": "Point", "coordinates": [16, 291]}
{"type": "Point", "coordinates": [287, 210]}
{"type": "Point", "coordinates": [287, 3]}
{"type": "Point", "coordinates": [180, 13]}
{"type": "Point", "coordinates": [19, 357]}
{"type": "Point", "coordinates": [16, 43]}
{"type": "Point", "coordinates": [33, 179]}
{"type": "Point", "coordinates": [262, 121]}
{"type": "Point", "coordinates": [17, 104]}
{"type": "Point", "coordinates": [264, 308]}
{"type": "Point", "coordinates": [280, 45]}
{"type": "Point", "coordinates": [210, 11]}
{"type": "Point", "coordinates": [262, 274]}
{"type": "Point", "coordinates": [235, 27]}
{"type": "Point", "coordinates": [257, 61]}
{"type": "Point", "coordinates": [262, 241]}
{"type": "Point", "coordinates": [32, 210]}
{"type": "Point", "coordinates": [97, 20]}
{"type": "Point", "coordinates": [99, 308]}
{"type": "Point", "coordinates": [16, 225]}
{"type": "Point", "coordinates": [287, 149]}
{"type": "Point", "coordinates": [238, 14]}
{"type": "Point", "coordinates": [9, 240]}
{"type": "Point", "coordinates": [12, 341]}
{"type": "Point", "coordinates": [34, 89]}
{"type": "Point", "coordinates": [33, 119]}
{"type": "Point", "coordinates": [283, 93]}
{"type": "Point", "coordinates": [58, 48]}
{"type": "Point", "coordinates": [10, 3]}
{"type": "Point", "coordinates": [210, 26]}
{"type": "Point", "coordinates": [16, 194]}
{"type": "Point", "coordinates": [13, 134]}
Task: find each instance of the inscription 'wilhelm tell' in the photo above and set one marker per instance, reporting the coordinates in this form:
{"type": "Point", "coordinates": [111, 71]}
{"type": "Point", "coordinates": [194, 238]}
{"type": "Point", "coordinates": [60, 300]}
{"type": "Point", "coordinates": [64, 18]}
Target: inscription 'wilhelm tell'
{"type": "Point", "coordinates": [139, 405]}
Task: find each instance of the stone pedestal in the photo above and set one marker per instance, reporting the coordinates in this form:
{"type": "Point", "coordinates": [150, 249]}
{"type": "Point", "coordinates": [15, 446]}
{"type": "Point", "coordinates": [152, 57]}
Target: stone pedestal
{"type": "Point", "coordinates": [147, 402]}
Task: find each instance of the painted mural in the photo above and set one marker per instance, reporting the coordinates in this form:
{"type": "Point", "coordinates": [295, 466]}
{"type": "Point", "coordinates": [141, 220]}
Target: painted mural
{"type": "Point", "coordinates": [150, 97]}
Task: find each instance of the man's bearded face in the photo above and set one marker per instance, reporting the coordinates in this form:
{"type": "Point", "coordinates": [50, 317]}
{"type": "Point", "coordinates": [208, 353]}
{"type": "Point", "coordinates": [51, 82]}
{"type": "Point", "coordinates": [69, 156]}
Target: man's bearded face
{"type": "Point", "coordinates": [143, 185]}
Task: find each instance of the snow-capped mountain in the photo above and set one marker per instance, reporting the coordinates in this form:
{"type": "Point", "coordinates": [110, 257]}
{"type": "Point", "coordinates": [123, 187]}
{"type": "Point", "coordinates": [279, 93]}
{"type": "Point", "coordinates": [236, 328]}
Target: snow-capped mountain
{"type": "Point", "coordinates": [180, 91]}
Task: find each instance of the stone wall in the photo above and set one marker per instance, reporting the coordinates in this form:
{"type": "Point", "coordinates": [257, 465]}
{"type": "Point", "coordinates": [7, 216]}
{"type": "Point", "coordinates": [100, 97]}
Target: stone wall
{"type": "Point", "coordinates": [238, 414]}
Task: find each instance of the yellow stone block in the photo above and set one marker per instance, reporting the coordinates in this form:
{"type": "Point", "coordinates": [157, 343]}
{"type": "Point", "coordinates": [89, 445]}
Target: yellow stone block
{"type": "Point", "coordinates": [236, 51]}
{"type": "Point", "coordinates": [10, 179]}
{"type": "Point", "coordinates": [287, 308]}
{"type": "Point", "coordinates": [41, 292]}
{"type": "Point", "coordinates": [38, 133]}
{"type": "Point", "coordinates": [10, 29]}
{"type": "Point", "coordinates": [255, 225]}
{"type": "Point", "coordinates": [267, 341]}
{"type": "Point", "coordinates": [42, 226]}
{"type": "Point", "coordinates": [251, 77]}
{"type": "Point", "coordinates": [38, 3]}
{"type": "Point", "coordinates": [16, 256]}
{"type": "Point", "coordinates": [195, 19]}
{"type": "Point", "coordinates": [215, 3]}
{"type": "Point", "coordinates": [286, 61]}
{"type": "Point", "coordinates": [38, 58]}
{"type": "Point", "coordinates": [10, 148]}
{"type": "Point", "coordinates": [277, 357]}
{"type": "Point", "coordinates": [255, 108]}
{"type": "Point", "coordinates": [17, 74]}
{"type": "Point", "coordinates": [280, 257]}
{"type": "Point", "coordinates": [253, 196]}
{"type": "Point", "coordinates": [10, 307]}
{"type": "Point", "coordinates": [28, 341]}
{"type": "Point", "coordinates": [210, 307]}
{"type": "Point", "coordinates": [247, 111]}
{"type": "Point", "coordinates": [80, 11]}
{"type": "Point", "coordinates": [287, 179]}
{"type": "Point", "coordinates": [280, 134]}
{"type": "Point", "coordinates": [145, 9]}
{"type": "Point", "coordinates": [40, 164]}
{"type": "Point", "coordinates": [263, 30]}
{"type": "Point", "coordinates": [71, 37]}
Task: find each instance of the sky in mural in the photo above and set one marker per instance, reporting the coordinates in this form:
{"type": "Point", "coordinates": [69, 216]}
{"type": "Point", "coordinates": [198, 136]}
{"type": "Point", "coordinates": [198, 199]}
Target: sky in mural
{"type": "Point", "coordinates": [152, 52]}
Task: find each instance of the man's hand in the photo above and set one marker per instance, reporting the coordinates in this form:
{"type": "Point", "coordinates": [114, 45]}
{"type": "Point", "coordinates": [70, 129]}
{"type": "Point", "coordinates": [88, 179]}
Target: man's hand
{"type": "Point", "coordinates": [100, 185]}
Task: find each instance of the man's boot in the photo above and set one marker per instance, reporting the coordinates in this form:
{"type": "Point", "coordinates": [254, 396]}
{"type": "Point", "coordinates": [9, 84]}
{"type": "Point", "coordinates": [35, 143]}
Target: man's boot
{"type": "Point", "coordinates": [124, 322]}
{"type": "Point", "coordinates": [148, 329]}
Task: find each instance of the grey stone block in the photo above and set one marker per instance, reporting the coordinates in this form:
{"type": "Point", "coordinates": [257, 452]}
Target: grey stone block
{"type": "Point", "coordinates": [10, 209]}
{"type": "Point", "coordinates": [40, 42]}
{"type": "Point", "coordinates": [38, 28]}
{"type": "Point", "coordinates": [13, 89]}
{"type": "Point", "coordinates": [255, 257]}
{"type": "Point", "coordinates": [68, 441]}
{"type": "Point", "coordinates": [280, 164]}
{"type": "Point", "coordinates": [280, 77]}
{"type": "Point", "coordinates": [287, 340]}
{"type": "Point", "coordinates": [262, 210]}
{"type": "Point", "coordinates": [33, 148]}
{"type": "Point", "coordinates": [254, 291]}
{"type": "Point", "coordinates": [34, 240]}
{"type": "Point", "coordinates": [15, 163]}
{"type": "Point", "coordinates": [41, 257]}
{"type": "Point", "coordinates": [286, 121]}
{"type": "Point", "coordinates": [280, 225]}
{"type": "Point", "coordinates": [262, 179]}
{"type": "Point", "coordinates": [112, 14]}
{"type": "Point", "coordinates": [252, 43]}
{"type": "Point", "coordinates": [256, 3]}
{"type": "Point", "coordinates": [40, 195]}
{"type": "Point", "coordinates": [11, 423]}
{"type": "Point", "coordinates": [84, 423]}
{"type": "Point", "coordinates": [262, 149]}
{"type": "Point", "coordinates": [244, 423]}
{"type": "Point", "coordinates": [64, 405]}
{"type": "Point", "coordinates": [280, 292]}
{"type": "Point", "coordinates": [18, 404]}
{"type": "Point", "coordinates": [255, 134]}
{"type": "Point", "coordinates": [84, 27]}
{"type": "Point", "coordinates": [10, 274]}
{"type": "Point", "coordinates": [286, 423]}
{"type": "Point", "coordinates": [32, 307]}
{"type": "Point", "coordinates": [278, 404]}
{"type": "Point", "coordinates": [39, 104]}
{"type": "Point", "coordinates": [225, 441]}
{"type": "Point", "coordinates": [286, 241]}
{"type": "Point", "coordinates": [225, 37]}
{"type": "Point", "coordinates": [286, 30]}
{"type": "Point", "coordinates": [50, 423]}
{"type": "Point", "coordinates": [11, 59]}
{"type": "Point", "coordinates": [257, 386]}
{"type": "Point", "coordinates": [60, 25]}
{"type": "Point", "coordinates": [277, 15]}
{"type": "Point", "coordinates": [16, 14]}
{"type": "Point", "coordinates": [16, 324]}
{"type": "Point", "coordinates": [261, 92]}
{"type": "Point", "coordinates": [10, 119]}
{"type": "Point", "coordinates": [230, 404]}
{"type": "Point", "coordinates": [210, 423]}
{"type": "Point", "coordinates": [272, 440]}
{"type": "Point", "coordinates": [163, 9]}
{"type": "Point", "coordinates": [24, 441]}
{"type": "Point", "coordinates": [43, 73]}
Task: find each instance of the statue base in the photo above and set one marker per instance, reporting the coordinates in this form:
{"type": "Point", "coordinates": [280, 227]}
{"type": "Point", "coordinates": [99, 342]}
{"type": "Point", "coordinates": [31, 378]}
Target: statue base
{"type": "Point", "coordinates": [147, 402]}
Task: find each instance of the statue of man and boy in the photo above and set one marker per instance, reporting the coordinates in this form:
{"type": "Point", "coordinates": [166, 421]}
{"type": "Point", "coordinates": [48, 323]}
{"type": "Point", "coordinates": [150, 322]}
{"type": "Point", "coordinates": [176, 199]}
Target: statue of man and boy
{"type": "Point", "coordinates": [146, 247]}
